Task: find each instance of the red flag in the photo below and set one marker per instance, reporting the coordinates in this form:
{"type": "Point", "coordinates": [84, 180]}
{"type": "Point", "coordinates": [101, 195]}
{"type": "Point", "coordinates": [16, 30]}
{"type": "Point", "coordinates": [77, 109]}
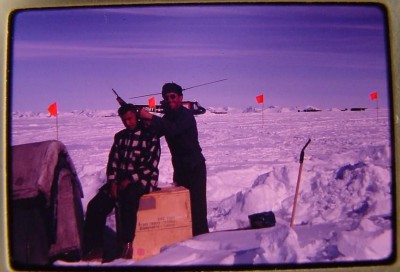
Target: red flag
{"type": "Point", "coordinates": [152, 102]}
{"type": "Point", "coordinates": [260, 99]}
{"type": "Point", "coordinates": [53, 109]}
{"type": "Point", "coordinates": [373, 95]}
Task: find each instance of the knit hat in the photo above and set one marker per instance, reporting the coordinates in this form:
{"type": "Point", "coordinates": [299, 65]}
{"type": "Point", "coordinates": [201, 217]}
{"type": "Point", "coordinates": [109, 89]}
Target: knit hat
{"type": "Point", "coordinates": [127, 107]}
{"type": "Point", "coordinates": [171, 88]}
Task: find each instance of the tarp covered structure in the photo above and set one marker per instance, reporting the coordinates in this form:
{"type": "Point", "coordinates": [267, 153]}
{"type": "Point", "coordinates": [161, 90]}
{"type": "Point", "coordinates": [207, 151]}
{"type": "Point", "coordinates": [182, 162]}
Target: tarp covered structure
{"type": "Point", "coordinates": [46, 218]}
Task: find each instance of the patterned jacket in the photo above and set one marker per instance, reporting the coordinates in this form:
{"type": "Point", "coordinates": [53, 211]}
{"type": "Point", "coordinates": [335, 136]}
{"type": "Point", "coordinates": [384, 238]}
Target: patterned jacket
{"type": "Point", "coordinates": [134, 155]}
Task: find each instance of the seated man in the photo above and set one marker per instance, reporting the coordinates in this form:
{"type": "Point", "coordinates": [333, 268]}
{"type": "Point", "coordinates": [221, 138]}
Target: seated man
{"type": "Point", "coordinates": [132, 171]}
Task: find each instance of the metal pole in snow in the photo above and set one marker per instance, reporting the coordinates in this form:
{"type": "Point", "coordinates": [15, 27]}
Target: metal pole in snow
{"type": "Point", "coordinates": [298, 182]}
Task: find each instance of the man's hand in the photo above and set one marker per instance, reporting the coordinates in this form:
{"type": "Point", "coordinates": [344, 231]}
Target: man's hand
{"type": "Point", "coordinates": [123, 184]}
{"type": "Point", "coordinates": [113, 190]}
{"type": "Point", "coordinates": [146, 123]}
{"type": "Point", "coordinates": [144, 114]}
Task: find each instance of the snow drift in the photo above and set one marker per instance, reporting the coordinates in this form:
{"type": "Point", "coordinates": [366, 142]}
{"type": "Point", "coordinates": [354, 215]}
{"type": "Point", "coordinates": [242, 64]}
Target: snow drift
{"type": "Point", "coordinates": [345, 203]}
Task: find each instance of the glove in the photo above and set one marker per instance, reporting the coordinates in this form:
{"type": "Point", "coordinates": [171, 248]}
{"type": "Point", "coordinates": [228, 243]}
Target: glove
{"type": "Point", "coordinates": [123, 184]}
{"type": "Point", "coordinates": [113, 190]}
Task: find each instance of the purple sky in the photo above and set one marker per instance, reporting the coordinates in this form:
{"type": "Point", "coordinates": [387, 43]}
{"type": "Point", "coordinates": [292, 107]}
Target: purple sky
{"type": "Point", "coordinates": [296, 55]}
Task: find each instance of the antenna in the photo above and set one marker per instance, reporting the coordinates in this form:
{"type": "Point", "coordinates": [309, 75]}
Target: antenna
{"type": "Point", "coordinates": [204, 84]}
{"type": "Point", "coordinates": [182, 89]}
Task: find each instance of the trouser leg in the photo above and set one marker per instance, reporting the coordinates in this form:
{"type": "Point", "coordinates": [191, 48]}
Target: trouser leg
{"type": "Point", "coordinates": [198, 192]}
{"type": "Point", "coordinates": [129, 199]}
{"type": "Point", "coordinates": [96, 214]}
{"type": "Point", "coordinates": [195, 180]}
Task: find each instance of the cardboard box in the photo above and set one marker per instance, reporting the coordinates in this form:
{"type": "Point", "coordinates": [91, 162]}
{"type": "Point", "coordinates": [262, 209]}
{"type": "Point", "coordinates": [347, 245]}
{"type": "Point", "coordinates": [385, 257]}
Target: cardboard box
{"type": "Point", "coordinates": [164, 218]}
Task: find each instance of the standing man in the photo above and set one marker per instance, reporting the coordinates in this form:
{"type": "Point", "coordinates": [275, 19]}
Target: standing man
{"type": "Point", "coordinates": [179, 127]}
{"type": "Point", "coordinates": [132, 171]}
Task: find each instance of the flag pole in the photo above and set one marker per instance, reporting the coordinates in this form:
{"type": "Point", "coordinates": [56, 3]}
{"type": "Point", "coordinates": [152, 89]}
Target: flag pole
{"type": "Point", "coordinates": [260, 100]}
{"type": "Point", "coordinates": [57, 125]}
{"type": "Point", "coordinates": [374, 96]}
{"type": "Point", "coordinates": [53, 110]}
{"type": "Point", "coordinates": [262, 115]}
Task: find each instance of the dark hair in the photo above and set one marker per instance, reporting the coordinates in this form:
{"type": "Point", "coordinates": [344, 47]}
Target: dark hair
{"type": "Point", "coordinates": [127, 107]}
{"type": "Point", "coordinates": [171, 88]}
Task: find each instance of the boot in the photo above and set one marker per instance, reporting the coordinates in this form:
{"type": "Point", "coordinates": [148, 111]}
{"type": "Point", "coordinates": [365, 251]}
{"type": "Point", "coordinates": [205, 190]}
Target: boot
{"type": "Point", "coordinates": [93, 255]}
{"type": "Point", "coordinates": [127, 251]}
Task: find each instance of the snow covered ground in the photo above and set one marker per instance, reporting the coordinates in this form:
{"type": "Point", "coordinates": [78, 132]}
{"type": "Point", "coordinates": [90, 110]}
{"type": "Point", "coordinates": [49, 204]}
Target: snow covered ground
{"type": "Point", "coordinates": [344, 208]}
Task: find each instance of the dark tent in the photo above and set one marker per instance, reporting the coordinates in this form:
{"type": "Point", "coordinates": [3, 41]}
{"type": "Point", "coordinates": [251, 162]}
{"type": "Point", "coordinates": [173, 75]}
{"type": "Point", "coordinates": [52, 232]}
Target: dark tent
{"type": "Point", "coordinates": [45, 211]}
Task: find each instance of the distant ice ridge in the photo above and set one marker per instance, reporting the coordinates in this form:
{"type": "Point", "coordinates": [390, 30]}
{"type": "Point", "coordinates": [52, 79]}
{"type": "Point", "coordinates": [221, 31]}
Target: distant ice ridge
{"type": "Point", "coordinates": [210, 110]}
{"type": "Point", "coordinates": [88, 113]}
